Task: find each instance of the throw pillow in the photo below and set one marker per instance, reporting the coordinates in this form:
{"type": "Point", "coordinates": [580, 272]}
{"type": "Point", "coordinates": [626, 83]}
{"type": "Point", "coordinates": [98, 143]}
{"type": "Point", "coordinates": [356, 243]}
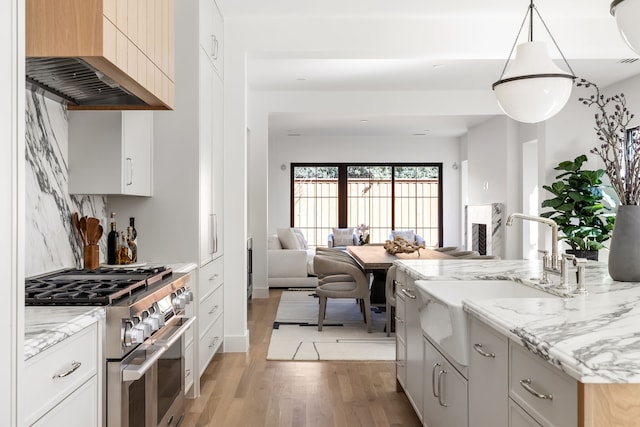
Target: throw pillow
{"type": "Point", "coordinates": [302, 241]}
{"type": "Point", "coordinates": [288, 238]}
{"type": "Point", "coordinates": [407, 235]}
{"type": "Point", "coordinates": [273, 242]}
{"type": "Point", "coordinates": [343, 236]}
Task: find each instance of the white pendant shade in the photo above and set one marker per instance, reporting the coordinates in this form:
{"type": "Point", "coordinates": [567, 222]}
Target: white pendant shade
{"type": "Point", "coordinates": [627, 13]}
{"type": "Point", "coordinates": [533, 88]}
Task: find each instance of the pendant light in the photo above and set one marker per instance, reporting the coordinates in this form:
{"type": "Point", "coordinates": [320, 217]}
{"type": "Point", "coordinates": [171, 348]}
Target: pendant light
{"type": "Point", "coordinates": [626, 13]}
{"type": "Point", "coordinates": [533, 88]}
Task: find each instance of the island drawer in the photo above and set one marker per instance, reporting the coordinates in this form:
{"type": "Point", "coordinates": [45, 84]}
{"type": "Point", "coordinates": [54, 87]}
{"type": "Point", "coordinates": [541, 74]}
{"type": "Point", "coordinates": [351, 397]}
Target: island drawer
{"type": "Point", "coordinates": [549, 395]}
{"type": "Point", "coordinates": [56, 372]}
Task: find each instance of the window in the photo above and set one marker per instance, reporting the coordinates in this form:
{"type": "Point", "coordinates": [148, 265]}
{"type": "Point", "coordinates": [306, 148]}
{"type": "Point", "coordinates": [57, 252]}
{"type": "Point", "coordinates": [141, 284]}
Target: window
{"type": "Point", "coordinates": [383, 196]}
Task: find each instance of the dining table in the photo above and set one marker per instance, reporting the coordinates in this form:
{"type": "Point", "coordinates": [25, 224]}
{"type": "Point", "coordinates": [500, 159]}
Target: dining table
{"type": "Point", "coordinates": [375, 259]}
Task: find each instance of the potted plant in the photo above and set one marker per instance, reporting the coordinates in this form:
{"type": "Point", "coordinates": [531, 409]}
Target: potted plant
{"type": "Point", "coordinates": [577, 208]}
{"type": "Point", "coordinates": [619, 149]}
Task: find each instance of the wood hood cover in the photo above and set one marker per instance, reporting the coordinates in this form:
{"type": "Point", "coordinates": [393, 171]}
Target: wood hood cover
{"type": "Point", "coordinates": [69, 56]}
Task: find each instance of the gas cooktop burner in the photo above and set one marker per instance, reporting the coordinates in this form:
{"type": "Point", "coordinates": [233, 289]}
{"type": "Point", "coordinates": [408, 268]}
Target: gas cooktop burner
{"type": "Point", "coordinates": [102, 286]}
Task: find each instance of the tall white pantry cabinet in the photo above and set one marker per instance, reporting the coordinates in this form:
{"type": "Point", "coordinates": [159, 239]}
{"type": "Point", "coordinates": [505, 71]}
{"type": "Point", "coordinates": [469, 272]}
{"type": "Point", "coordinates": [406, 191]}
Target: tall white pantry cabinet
{"type": "Point", "coordinates": [182, 221]}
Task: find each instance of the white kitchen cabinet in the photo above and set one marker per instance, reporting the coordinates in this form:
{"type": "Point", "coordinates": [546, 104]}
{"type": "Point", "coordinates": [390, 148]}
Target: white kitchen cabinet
{"type": "Point", "coordinates": [445, 391]}
{"type": "Point", "coordinates": [210, 312]}
{"type": "Point", "coordinates": [212, 34]}
{"type": "Point", "coordinates": [519, 418]}
{"type": "Point", "coordinates": [547, 394]}
{"type": "Point", "coordinates": [488, 376]}
{"type": "Point", "coordinates": [401, 332]}
{"type": "Point", "coordinates": [211, 161]}
{"type": "Point", "coordinates": [80, 408]}
{"type": "Point", "coordinates": [62, 382]}
{"type": "Point", "coordinates": [414, 364]}
{"type": "Point", "coordinates": [110, 152]}
{"type": "Point", "coordinates": [183, 220]}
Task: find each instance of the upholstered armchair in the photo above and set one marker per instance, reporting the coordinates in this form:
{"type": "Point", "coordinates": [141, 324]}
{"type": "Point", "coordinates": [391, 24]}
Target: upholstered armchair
{"type": "Point", "coordinates": [342, 237]}
{"type": "Point", "coordinates": [407, 235]}
{"type": "Point", "coordinates": [341, 278]}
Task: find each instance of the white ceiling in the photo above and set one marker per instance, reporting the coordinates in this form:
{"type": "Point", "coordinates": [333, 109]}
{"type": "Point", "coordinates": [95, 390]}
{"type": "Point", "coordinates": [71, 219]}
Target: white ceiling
{"type": "Point", "coordinates": [300, 71]}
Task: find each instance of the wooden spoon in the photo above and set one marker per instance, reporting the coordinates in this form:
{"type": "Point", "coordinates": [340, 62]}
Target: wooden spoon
{"type": "Point", "coordinates": [76, 221]}
{"type": "Point", "coordinates": [92, 229]}
{"type": "Point", "coordinates": [83, 230]}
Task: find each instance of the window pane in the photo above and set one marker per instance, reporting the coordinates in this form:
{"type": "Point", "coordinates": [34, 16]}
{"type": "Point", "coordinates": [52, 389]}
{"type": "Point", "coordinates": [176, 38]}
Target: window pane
{"type": "Point", "coordinates": [315, 201]}
{"type": "Point", "coordinates": [369, 200]}
{"type": "Point", "coordinates": [417, 201]}
{"type": "Point", "coordinates": [383, 197]}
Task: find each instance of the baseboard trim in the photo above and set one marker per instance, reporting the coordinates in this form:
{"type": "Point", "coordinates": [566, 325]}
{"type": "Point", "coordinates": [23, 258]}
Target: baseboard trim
{"type": "Point", "coordinates": [236, 343]}
{"type": "Point", "coordinates": [260, 293]}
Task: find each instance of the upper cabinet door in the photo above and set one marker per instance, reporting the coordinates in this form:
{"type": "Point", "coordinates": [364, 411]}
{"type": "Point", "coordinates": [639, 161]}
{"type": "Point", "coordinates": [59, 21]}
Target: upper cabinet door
{"type": "Point", "coordinates": [212, 33]}
{"type": "Point", "coordinates": [110, 152]}
{"type": "Point", "coordinates": [137, 135]}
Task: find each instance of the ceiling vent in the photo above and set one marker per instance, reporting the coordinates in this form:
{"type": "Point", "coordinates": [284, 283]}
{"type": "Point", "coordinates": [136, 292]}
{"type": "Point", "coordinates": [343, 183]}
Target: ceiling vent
{"type": "Point", "coordinates": [627, 61]}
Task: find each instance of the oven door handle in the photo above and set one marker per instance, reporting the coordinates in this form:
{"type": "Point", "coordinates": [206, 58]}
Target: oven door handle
{"type": "Point", "coordinates": [129, 374]}
{"type": "Point", "coordinates": [168, 342]}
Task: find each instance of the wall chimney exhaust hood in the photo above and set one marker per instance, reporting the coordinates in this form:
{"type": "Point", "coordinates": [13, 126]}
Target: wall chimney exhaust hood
{"type": "Point", "coordinates": [101, 54]}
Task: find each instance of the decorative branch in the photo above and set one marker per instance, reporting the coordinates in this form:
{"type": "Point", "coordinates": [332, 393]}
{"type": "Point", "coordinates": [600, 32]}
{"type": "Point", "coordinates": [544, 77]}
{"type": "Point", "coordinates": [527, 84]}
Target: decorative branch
{"type": "Point", "coordinates": [621, 156]}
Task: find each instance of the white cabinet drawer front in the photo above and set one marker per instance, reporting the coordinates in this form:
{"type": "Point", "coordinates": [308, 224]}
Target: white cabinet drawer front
{"type": "Point", "coordinates": [210, 309]}
{"type": "Point", "coordinates": [209, 344]}
{"type": "Point", "coordinates": [58, 371]}
{"type": "Point", "coordinates": [519, 418]}
{"type": "Point", "coordinates": [401, 319]}
{"type": "Point", "coordinates": [545, 392]}
{"type": "Point", "coordinates": [401, 360]}
{"type": "Point", "coordinates": [188, 368]}
{"type": "Point", "coordinates": [211, 277]}
{"type": "Point", "coordinates": [78, 409]}
{"type": "Point", "coordinates": [488, 376]}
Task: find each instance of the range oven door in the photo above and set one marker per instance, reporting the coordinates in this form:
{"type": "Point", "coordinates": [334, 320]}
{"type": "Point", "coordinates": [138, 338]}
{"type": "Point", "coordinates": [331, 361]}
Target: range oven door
{"type": "Point", "coordinates": [146, 389]}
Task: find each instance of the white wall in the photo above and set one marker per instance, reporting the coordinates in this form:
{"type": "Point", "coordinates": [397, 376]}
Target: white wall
{"type": "Point", "coordinates": [301, 149]}
{"type": "Point", "coordinates": [364, 149]}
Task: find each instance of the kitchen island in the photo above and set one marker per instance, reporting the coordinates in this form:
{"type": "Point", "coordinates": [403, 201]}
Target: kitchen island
{"type": "Point", "coordinates": [594, 339]}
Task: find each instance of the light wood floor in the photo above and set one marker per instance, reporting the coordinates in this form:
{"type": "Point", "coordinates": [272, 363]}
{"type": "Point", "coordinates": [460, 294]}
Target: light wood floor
{"type": "Point", "coordinates": [244, 389]}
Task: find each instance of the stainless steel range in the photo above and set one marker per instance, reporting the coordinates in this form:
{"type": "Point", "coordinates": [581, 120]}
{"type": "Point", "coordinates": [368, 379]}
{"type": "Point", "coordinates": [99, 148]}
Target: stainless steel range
{"type": "Point", "coordinates": [143, 342]}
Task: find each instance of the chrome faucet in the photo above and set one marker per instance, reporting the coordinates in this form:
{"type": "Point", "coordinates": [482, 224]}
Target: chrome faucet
{"type": "Point", "coordinates": [553, 265]}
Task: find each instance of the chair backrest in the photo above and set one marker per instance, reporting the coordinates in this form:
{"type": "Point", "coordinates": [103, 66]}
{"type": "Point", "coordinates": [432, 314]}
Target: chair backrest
{"type": "Point", "coordinates": [329, 266]}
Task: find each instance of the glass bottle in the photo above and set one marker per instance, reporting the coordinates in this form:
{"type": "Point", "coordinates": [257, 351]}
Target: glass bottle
{"type": "Point", "coordinates": [112, 242]}
{"type": "Point", "coordinates": [134, 232]}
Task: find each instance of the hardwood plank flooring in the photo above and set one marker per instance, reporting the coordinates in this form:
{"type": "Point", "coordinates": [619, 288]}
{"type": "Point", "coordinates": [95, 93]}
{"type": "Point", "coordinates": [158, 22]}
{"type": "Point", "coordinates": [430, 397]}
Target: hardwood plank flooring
{"type": "Point", "coordinates": [245, 389]}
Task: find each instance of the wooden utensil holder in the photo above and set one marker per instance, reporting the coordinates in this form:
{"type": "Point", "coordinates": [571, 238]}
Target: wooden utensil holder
{"type": "Point", "coordinates": [91, 257]}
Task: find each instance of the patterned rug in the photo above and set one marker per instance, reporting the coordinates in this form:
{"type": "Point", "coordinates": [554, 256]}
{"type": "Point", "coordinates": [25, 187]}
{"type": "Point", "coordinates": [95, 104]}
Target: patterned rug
{"type": "Point", "coordinates": [344, 336]}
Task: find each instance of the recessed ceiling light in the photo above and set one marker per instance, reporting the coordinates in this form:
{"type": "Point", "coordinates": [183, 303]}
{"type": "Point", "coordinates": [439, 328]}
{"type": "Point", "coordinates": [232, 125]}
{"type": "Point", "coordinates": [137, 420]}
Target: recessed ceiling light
{"type": "Point", "coordinates": [364, 121]}
{"type": "Point", "coordinates": [301, 79]}
{"type": "Point", "coordinates": [437, 65]}
{"type": "Point", "coordinates": [293, 134]}
{"type": "Point", "coordinates": [419, 134]}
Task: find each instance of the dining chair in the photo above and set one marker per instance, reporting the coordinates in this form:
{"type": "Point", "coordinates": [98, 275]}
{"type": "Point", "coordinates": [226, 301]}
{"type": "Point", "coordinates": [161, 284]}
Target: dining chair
{"type": "Point", "coordinates": [341, 278]}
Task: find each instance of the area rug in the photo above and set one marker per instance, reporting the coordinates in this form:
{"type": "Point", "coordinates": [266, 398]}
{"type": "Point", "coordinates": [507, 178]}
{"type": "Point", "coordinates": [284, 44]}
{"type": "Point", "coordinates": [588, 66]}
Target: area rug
{"type": "Point", "coordinates": [344, 336]}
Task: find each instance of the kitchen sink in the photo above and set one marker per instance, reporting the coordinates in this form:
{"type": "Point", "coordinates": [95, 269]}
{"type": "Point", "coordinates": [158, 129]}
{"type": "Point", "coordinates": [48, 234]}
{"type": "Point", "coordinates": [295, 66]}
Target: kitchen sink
{"type": "Point", "coordinates": [445, 322]}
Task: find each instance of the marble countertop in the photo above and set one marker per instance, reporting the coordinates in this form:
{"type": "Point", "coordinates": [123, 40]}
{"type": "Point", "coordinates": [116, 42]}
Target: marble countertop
{"type": "Point", "coordinates": [593, 338]}
{"type": "Point", "coordinates": [46, 326]}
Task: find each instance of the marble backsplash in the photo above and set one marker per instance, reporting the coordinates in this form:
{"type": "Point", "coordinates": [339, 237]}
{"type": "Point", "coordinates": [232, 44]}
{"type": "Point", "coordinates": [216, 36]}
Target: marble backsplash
{"type": "Point", "coordinates": [52, 242]}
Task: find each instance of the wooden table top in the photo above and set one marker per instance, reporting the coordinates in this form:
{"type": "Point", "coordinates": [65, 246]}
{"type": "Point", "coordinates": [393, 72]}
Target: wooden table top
{"type": "Point", "coordinates": [375, 257]}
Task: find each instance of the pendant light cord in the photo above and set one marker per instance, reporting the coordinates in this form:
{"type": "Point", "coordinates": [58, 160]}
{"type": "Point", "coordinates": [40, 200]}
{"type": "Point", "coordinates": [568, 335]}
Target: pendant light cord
{"type": "Point", "coordinates": [553, 40]}
{"type": "Point", "coordinates": [529, 13]}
